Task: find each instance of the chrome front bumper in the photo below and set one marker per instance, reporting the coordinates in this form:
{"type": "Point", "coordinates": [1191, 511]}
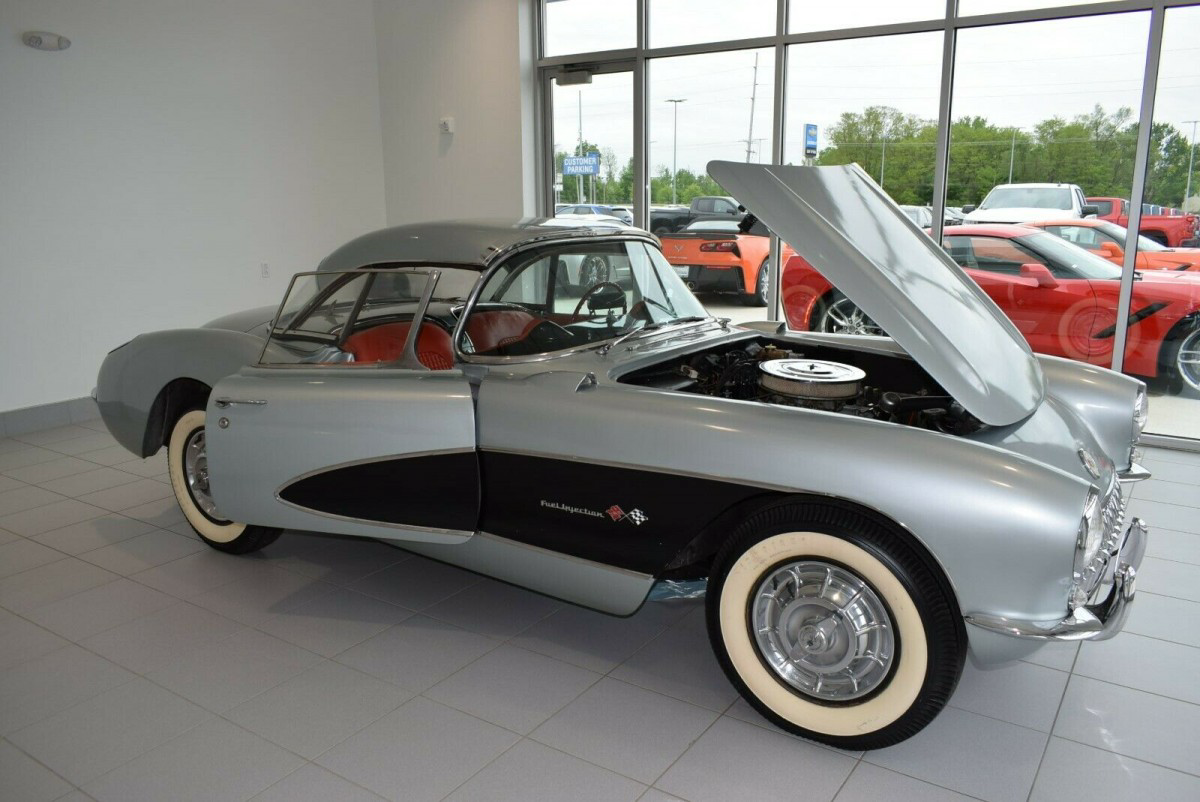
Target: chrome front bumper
{"type": "Point", "coordinates": [1099, 621]}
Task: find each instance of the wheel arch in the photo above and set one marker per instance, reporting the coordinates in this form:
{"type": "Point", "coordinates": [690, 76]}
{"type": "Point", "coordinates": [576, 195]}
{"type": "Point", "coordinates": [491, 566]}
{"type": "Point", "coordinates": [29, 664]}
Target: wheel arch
{"type": "Point", "coordinates": [132, 386]}
{"type": "Point", "coordinates": [1171, 342]}
{"type": "Point", "coordinates": [178, 396]}
{"type": "Point", "coordinates": [696, 558]}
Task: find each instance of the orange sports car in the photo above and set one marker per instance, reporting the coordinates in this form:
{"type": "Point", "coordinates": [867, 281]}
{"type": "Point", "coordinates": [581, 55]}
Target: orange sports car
{"type": "Point", "coordinates": [1107, 239]}
{"type": "Point", "coordinates": [719, 256]}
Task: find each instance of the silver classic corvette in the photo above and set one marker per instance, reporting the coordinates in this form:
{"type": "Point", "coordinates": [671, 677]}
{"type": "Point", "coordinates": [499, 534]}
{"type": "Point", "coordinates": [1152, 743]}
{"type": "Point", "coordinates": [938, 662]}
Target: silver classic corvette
{"type": "Point", "coordinates": [552, 407]}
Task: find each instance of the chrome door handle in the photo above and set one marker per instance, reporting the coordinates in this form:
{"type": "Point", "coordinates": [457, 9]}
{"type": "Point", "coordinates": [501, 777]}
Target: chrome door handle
{"type": "Point", "coordinates": [222, 403]}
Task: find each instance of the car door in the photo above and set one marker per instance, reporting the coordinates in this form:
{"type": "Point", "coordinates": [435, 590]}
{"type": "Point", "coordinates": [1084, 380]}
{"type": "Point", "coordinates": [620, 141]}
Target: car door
{"type": "Point", "coordinates": [1056, 319]}
{"type": "Point", "coordinates": [381, 447]}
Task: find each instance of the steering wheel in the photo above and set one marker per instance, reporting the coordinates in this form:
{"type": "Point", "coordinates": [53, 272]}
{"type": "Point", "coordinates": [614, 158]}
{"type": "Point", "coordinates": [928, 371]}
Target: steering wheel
{"type": "Point", "coordinates": [602, 285]}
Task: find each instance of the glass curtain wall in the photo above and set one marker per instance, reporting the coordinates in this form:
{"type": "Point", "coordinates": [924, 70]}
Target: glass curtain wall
{"type": "Point", "coordinates": [593, 146]}
{"type": "Point", "coordinates": [873, 103]}
{"type": "Point", "coordinates": [1029, 139]}
{"type": "Point", "coordinates": [1164, 343]}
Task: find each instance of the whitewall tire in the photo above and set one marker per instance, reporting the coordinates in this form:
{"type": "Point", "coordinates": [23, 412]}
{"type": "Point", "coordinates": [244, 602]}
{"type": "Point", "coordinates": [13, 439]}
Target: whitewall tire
{"type": "Point", "coordinates": [834, 625]}
{"type": "Point", "coordinates": [187, 463]}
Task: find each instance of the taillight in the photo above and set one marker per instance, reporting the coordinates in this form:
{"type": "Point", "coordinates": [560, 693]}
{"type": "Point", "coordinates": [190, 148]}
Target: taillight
{"type": "Point", "coordinates": [728, 246]}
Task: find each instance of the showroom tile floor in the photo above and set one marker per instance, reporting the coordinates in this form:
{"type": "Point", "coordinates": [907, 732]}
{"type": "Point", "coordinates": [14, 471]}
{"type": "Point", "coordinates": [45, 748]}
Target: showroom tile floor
{"type": "Point", "coordinates": [136, 664]}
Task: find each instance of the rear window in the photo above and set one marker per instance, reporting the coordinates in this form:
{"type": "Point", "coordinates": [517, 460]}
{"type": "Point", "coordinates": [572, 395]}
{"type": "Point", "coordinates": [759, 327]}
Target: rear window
{"type": "Point", "coordinates": [1103, 207]}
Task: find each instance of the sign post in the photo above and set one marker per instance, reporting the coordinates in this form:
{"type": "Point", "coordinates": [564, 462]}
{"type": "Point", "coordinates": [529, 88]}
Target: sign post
{"type": "Point", "coordinates": [810, 140]}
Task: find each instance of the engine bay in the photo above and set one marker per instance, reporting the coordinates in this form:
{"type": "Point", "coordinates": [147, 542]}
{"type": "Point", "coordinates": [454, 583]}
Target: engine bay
{"type": "Point", "coordinates": [863, 384]}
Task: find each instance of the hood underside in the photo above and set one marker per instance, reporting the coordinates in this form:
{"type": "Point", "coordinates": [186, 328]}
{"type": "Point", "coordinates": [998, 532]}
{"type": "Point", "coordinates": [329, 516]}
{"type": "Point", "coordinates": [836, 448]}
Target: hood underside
{"type": "Point", "coordinates": [841, 221]}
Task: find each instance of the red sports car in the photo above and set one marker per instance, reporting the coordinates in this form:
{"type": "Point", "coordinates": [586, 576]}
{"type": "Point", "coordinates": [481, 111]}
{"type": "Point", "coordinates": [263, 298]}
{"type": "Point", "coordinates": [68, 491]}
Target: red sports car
{"type": "Point", "coordinates": [1061, 297]}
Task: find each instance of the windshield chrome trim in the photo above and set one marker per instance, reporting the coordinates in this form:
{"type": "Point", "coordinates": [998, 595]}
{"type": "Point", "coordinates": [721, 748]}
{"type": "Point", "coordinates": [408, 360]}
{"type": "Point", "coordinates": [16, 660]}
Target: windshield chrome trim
{"type": "Point", "coordinates": [498, 260]}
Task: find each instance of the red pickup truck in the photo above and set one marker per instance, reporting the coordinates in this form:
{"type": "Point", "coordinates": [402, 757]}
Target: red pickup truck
{"type": "Point", "coordinates": [1176, 230]}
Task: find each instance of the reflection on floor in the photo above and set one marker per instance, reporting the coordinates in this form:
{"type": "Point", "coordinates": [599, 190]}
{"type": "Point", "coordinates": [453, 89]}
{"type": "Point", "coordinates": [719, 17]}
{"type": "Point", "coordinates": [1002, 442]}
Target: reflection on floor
{"type": "Point", "coordinates": [1176, 415]}
{"type": "Point", "coordinates": [136, 663]}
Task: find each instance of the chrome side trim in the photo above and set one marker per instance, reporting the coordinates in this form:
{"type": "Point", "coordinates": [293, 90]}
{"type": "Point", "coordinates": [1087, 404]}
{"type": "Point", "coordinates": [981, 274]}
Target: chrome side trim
{"type": "Point", "coordinates": [437, 452]}
{"type": "Point", "coordinates": [617, 591]}
{"type": "Point", "coordinates": [460, 533]}
{"type": "Point", "coordinates": [649, 469]}
{"type": "Point", "coordinates": [366, 521]}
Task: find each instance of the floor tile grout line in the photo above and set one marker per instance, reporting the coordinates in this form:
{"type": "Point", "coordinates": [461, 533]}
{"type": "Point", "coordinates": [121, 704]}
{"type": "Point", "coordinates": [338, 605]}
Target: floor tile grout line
{"type": "Point", "coordinates": [1128, 756]}
{"type": "Point", "coordinates": [1139, 690]}
{"type": "Point", "coordinates": [1057, 712]}
{"type": "Point", "coordinates": [482, 768]}
{"type": "Point", "coordinates": [919, 779]}
{"type": "Point", "coordinates": [7, 740]}
{"type": "Point", "coordinates": [691, 743]}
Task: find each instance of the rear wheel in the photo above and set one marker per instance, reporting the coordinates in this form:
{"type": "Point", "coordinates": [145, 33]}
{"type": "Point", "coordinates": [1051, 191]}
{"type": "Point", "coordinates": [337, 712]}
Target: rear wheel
{"type": "Point", "coordinates": [1187, 359]}
{"type": "Point", "coordinates": [187, 462]}
{"type": "Point", "coordinates": [758, 297]}
{"type": "Point", "coordinates": [833, 627]}
{"type": "Point", "coordinates": [1161, 239]}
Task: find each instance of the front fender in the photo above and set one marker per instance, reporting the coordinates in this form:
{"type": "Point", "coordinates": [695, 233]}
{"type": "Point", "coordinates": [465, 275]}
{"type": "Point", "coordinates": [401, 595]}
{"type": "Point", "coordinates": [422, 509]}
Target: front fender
{"type": "Point", "coordinates": [1002, 526]}
{"type": "Point", "coordinates": [132, 376]}
{"type": "Point", "coordinates": [1103, 398]}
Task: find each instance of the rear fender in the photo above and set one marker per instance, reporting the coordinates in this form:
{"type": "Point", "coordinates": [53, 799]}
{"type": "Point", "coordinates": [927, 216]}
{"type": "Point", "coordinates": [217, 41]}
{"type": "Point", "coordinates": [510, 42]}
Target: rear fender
{"type": "Point", "coordinates": [131, 389]}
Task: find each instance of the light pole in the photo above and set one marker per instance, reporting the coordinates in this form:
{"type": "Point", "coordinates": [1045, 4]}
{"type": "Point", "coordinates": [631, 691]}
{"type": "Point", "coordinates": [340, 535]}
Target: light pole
{"type": "Point", "coordinates": [1012, 152]}
{"type": "Point", "coordinates": [579, 152]}
{"type": "Point", "coordinates": [675, 145]}
{"type": "Point", "coordinates": [1187, 193]}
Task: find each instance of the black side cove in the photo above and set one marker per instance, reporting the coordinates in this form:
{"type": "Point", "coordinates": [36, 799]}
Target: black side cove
{"type": "Point", "coordinates": [624, 517]}
{"type": "Point", "coordinates": [439, 491]}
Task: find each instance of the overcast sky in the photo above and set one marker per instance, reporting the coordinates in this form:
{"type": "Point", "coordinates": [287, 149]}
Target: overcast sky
{"type": "Point", "coordinates": [1013, 75]}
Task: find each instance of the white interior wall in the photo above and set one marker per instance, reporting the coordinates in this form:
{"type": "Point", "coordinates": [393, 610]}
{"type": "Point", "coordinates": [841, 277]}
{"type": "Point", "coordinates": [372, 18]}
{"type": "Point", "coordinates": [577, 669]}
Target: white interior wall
{"type": "Point", "coordinates": [466, 59]}
{"type": "Point", "coordinates": [147, 172]}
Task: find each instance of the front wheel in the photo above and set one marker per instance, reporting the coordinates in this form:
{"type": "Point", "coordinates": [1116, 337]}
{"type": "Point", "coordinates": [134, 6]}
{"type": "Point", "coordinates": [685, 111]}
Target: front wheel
{"type": "Point", "coordinates": [833, 626]}
{"type": "Point", "coordinates": [187, 463]}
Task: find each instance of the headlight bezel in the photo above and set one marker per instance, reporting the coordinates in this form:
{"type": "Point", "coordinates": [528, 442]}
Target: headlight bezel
{"type": "Point", "coordinates": [1141, 411]}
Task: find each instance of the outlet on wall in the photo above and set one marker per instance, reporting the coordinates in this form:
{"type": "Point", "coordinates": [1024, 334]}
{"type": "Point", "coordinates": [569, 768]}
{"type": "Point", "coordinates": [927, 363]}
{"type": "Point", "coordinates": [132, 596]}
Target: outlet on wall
{"type": "Point", "coordinates": [265, 269]}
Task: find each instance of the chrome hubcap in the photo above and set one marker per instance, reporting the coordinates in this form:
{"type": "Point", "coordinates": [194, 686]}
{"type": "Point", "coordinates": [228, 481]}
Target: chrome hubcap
{"type": "Point", "coordinates": [593, 270]}
{"type": "Point", "coordinates": [195, 472]}
{"type": "Point", "coordinates": [1188, 360]}
{"type": "Point", "coordinates": [843, 317]}
{"type": "Point", "coordinates": [823, 630]}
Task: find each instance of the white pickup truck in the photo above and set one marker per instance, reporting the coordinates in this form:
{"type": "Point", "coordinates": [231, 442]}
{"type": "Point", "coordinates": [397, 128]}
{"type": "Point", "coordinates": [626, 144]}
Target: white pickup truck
{"type": "Point", "coordinates": [1024, 203]}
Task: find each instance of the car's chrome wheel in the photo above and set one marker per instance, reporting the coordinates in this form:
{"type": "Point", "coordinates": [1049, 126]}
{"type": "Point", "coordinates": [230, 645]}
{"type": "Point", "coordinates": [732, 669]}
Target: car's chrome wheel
{"type": "Point", "coordinates": [842, 316]}
{"type": "Point", "coordinates": [759, 296]}
{"type": "Point", "coordinates": [195, 473]}
{"type": "Point", "coordinates": [593, 270]}
{"type": "Point", "coordinates": [187, 465]}
{"type": "Point", "coordinates": [834, 624]}
{"type": "Point", "coordinates": [1187, 360]}
{"type": "Point", "coordinates": [823, 630]}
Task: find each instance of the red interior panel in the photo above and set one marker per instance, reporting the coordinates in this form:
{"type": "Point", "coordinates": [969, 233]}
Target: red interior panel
{"type": "Point", "coordinates": [386, 344]}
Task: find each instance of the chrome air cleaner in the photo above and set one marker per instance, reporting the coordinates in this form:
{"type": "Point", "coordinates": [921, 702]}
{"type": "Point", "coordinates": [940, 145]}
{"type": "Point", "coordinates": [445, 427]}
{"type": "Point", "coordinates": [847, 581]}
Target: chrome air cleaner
{"type": "Point", "coordinates": [811, 379]}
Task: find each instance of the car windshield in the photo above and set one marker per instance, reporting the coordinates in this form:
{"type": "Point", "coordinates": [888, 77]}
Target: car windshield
{"type": "Point", "coordinates": [717, 226]}
{"type": "Point", "coordinates": [566, 296]}
{"type": "Point", "coordinates": [1027, 198]}
{"type": "Point", "coordinates": [1119, 233]}
{"type": "Point", "coordinates": [1070, 258]}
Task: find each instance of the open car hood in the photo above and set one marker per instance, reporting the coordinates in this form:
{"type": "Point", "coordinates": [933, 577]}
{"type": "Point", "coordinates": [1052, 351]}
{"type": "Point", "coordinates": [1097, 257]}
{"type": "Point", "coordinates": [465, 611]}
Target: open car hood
{"type": "Point", "coordinates": [848, 229]}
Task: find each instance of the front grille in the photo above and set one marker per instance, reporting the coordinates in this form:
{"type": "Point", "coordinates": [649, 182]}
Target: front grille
{"type": "Point", "coordinates": [1112, 514]}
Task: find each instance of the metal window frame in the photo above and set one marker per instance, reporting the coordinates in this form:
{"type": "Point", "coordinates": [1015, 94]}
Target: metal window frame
{"type": "Point", "coordinates": [638, 57]}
